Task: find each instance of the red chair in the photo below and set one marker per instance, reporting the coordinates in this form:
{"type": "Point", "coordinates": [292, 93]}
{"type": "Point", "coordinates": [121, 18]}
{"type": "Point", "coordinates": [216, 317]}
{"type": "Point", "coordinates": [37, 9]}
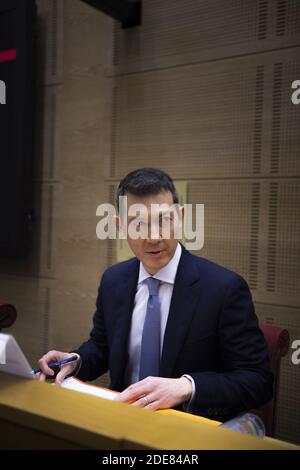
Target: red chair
{"type": "Point", "coordinates": [278, 341]}
{"type": "Point", "coordinates": [8, 314]}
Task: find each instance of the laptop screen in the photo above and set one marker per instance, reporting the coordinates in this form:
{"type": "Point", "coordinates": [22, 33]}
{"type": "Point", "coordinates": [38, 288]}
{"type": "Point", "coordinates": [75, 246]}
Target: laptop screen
{"type": "Point", "coordinates": [12, 359]}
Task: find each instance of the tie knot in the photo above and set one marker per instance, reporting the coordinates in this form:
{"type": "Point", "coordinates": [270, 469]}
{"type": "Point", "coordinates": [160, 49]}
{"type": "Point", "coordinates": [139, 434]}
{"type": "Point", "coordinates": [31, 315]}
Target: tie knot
{"type": "Point", "coordinates": [153, 285]}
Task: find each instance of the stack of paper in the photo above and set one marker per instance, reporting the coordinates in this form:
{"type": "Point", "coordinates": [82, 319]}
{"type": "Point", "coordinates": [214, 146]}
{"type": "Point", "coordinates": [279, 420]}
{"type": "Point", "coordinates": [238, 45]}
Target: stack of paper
{"type": "Point", "coordinates": [78, 386]}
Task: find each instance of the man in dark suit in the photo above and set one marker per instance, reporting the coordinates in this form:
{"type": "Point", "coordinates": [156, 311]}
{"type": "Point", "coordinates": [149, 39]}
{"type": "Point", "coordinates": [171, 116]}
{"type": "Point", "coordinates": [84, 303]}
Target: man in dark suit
{"type": "Point", "coordinates": [173, 329]}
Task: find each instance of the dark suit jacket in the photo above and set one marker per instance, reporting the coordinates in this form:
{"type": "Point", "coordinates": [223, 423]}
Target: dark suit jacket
{"type": "Point", "coordinates": [212, 334]}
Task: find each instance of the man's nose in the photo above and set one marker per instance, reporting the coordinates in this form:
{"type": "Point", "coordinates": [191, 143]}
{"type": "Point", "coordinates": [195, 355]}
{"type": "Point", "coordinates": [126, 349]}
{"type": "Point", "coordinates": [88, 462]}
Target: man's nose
{"type": "Point", "coordinates": [154, 233]}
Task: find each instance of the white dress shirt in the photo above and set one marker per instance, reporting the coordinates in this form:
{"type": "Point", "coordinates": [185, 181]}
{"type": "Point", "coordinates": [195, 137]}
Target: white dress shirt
{"type": "Point", "coordinates": [167, 277]}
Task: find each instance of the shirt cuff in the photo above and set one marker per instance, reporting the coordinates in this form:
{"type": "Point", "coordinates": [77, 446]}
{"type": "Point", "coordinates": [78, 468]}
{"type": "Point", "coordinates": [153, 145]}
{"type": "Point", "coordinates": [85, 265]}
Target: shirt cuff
{"type": "Point", "coordinates": [187, 406]}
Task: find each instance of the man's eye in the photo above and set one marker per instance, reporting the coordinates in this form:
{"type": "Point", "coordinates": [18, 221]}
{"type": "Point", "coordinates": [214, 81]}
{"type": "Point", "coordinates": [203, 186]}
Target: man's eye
{"type": "Point", "coordinates": [140, 224]}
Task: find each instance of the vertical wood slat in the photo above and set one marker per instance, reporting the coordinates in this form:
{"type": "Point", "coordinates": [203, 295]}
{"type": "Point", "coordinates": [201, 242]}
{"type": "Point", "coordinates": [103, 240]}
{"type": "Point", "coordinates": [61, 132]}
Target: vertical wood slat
{"type": "Point", "coordinates": [50, 41]}
{"type": "Point", "coordinates": [174, 33]}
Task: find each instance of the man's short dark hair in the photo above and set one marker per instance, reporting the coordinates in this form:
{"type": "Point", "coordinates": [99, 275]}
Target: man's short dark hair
{"type": "Point", "coordinates": [146, 182]}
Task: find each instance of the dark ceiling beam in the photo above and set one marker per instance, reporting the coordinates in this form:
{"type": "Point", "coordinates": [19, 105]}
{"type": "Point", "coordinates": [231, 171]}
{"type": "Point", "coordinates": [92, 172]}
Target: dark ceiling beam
{"type": "Point", "coordinates": [128, 12]}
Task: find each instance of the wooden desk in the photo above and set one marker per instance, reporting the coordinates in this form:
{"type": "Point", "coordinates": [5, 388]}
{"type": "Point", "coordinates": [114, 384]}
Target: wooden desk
{"type": "Point", "coordinates": [36, 415]}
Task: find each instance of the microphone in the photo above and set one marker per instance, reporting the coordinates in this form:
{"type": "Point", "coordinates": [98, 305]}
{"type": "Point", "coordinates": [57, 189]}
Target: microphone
{"type": "Point", "coordinates": [8, 314]}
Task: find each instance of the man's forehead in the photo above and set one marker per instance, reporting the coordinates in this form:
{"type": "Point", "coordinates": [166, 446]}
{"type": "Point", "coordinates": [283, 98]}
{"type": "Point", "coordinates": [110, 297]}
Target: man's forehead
{"type": "Point", "coordinates": [159, 198]}
{"type": "Point", "coordinates": [142, 210]}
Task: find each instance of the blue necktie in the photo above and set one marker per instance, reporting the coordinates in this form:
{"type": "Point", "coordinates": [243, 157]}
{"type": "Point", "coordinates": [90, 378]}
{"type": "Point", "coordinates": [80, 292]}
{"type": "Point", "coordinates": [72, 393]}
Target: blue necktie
{"type": "Point", "coordinates": [150, 347]}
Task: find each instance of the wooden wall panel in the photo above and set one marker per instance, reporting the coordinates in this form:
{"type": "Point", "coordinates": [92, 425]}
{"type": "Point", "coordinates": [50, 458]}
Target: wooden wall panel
{"type": "Point", "coordinates": [180, 32]}
{"type": "Point", "coordinates": [283, 270]}
{"type": "Point", "coordinates": [73, 106]}
{"type": "Point", "coordinates": [208, 120]}
{"type": "Point", "coordinates": [50, 41]}
{"type": "Point", "coordinates": [48, 133]}
{"type": "Point", "coordinates": [228, 220]}
{"type": "Point", "coordinates": [81, 257]}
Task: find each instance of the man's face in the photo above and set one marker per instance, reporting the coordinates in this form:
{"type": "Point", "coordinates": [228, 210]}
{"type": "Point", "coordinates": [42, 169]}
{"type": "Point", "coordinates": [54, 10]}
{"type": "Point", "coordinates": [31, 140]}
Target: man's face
{"type": "Point", "coordinates": [152, 249]}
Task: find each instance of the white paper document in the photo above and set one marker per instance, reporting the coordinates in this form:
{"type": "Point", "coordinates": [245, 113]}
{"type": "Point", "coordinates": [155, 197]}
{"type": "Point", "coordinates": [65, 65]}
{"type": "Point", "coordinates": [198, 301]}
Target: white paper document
{"type": "Point", "coordinates": [72, 383]}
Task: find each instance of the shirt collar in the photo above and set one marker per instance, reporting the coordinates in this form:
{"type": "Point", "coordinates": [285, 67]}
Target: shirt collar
{"type": "Point", "coordinates": [167, 273]}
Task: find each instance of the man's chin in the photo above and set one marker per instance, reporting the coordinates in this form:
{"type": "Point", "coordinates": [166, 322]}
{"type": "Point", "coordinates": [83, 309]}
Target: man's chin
{"type": "Point", "coordinates": [154, 263]}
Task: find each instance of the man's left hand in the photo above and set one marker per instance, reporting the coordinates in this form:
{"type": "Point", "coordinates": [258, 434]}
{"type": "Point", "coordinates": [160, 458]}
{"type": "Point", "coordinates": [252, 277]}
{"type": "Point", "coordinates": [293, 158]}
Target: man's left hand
{"type": "Point", "coordinates": [156, 393]}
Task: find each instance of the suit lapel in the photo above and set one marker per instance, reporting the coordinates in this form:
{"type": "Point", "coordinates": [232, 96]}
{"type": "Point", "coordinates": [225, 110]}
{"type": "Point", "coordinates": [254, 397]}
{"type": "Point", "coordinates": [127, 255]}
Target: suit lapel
{"type": "Point", "coordinates": [183, 304]}
{"type": "Point", "coordinates": [124, 295]}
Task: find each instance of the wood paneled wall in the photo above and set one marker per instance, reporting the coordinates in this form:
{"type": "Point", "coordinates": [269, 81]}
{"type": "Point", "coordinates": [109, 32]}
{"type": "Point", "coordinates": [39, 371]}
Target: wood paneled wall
{"type": "Point", "coordinates": [200, 89]}
{"type": "Point", "coordinates": [54, 289]}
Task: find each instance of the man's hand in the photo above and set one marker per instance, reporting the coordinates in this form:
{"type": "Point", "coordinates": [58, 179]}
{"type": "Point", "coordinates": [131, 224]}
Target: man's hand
{"type": "Point", "coordinates": [53, 356]}
{"type": "Point", "coordinates": [156, 393]}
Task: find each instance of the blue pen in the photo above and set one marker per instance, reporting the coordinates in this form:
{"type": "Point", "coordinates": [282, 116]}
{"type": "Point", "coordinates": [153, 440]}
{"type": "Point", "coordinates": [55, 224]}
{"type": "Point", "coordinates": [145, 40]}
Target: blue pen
{"type": "Point", "coordinates": [57, 363]}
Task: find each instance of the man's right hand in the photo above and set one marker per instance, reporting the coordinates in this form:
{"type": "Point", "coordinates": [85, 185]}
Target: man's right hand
{"type": "Point", "coordinates": [65, 369]}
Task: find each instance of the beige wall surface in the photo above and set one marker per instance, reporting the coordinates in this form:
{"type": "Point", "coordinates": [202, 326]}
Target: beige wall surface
{"type": "Point", "coordinates": [200, 89]}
